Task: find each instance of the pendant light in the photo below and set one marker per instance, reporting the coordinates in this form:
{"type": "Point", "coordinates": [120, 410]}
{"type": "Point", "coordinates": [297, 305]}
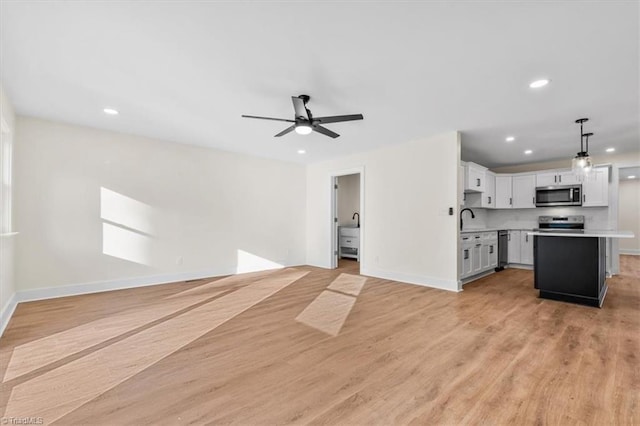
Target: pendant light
{"type": "Point", "coordinates": [581, 163]}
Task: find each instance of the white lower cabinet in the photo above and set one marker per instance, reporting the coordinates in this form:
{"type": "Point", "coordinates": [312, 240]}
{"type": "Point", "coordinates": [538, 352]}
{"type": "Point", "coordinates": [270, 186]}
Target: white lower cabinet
{"type": "Point", "coordinates": [526, 248]}
{"type": "Point", "coordinates": [520, 248]}
{"type": "Point", "coordinates": [513, 247]}
{"type": "Point", "coordinates": [349, 242]}
{"type": "Point", "coordinates": [479, 253]}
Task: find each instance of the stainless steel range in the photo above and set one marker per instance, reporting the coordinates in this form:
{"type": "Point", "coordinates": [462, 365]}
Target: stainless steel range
{"type": "Point", "coordinates": [567, 224]}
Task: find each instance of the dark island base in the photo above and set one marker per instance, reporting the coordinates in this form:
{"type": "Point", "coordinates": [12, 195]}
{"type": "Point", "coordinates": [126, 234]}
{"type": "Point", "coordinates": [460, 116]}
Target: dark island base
{"type": "Point", "coordinates": [571, 269]}
{"type": "Point", "coordinates": [588, 301]}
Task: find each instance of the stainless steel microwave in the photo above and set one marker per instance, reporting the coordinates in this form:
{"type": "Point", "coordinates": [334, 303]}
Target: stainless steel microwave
{"type": "Point", "coordinates": [561, 195]}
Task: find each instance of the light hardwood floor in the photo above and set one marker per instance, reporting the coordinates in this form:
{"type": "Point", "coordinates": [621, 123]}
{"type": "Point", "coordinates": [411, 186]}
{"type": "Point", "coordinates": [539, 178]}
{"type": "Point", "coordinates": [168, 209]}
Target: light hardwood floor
{"type": "Point", "coordinates": [306, 345]}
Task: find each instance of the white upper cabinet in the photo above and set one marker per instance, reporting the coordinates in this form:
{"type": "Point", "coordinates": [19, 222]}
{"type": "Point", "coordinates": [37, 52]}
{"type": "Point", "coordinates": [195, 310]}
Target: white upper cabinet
{"type": "Point", "coordinates": [567, 178]}
{"type": "Point", "coordinates": [489, 195]}
{"type": "Point", "coordinates": [486, 189]}
{"type": "Point", "coordinates": [546, 179]}
{"type": "Point", "coordinates": [504, 198]}
{"type": "Point", "coordinates": [486, 199]}
{"type": "Point", "coordinates": [524, 191]}
{"type": "Point", "coordinates": [552, 178]}
{"type": "Point", "coordinates": [474, 177]}
{"type": "Point", "coordinates": [595, 189]}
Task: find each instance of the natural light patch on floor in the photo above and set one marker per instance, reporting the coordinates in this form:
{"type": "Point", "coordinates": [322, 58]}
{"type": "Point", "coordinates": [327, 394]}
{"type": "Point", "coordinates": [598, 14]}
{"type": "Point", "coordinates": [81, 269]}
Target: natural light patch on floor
{"type": "Point", "coordinates": [127, 227]}
{"type": "Point", "coordinates": [101, 370]}
{"type": "Point", "coordinates": [349, 284]}
{"type": "Point", "coordinates": [329, 311]}
{"type": "Point", "coordinates": [249, 262]}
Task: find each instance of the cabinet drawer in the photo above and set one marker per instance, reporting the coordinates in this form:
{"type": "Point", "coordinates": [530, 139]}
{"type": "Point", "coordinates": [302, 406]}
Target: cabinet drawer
{"type": "Point", "coordinates": [349, 242]}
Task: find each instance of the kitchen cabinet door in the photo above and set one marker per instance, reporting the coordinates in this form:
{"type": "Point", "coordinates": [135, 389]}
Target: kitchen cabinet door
{"type": "Point", "coordinates": [476, 258]}
{"type": "Point", "coordinates": [467, 265]}
{"type": "Point", "coordinates": [493, 255]}
{"type": "Point", "coordinates": [526, 248]}
{"type": "Point", "coordinates": [503, 192]}
{"type": "Point", "coordinates": [513, 247]}
{"type": "Point", "coordinates": [524, 192]}
{"type": "Point", "coordinates": [489, 196]}
{"type": "Point", "coordinates": [474, 178]}
{"type": "Point", "coordinates": [567, 178]}
{"type": "Point", "coordinates": [595, 188]}
{"type": "Point", "coordinates": [546, 179]}
{"type": "Point", "coordinates": [484, 257]}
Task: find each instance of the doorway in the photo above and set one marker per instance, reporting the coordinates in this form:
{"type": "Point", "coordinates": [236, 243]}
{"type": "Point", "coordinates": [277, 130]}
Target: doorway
{"type": "Point", "coordinates": [347, 219]}
{"type": "Point", "coordinates": [628, 207]}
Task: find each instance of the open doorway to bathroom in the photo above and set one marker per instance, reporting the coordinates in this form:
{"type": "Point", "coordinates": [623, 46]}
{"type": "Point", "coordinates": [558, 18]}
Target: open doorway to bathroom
{"type": "Point", "coordinates": [628, 207]}
{"type": "Point", "coordinates": [347, 220]}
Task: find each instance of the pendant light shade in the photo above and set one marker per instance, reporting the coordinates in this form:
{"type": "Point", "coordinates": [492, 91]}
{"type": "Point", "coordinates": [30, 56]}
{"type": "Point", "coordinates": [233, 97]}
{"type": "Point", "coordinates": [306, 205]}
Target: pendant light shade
{"type": "Point", "coordinates": [581, 163]}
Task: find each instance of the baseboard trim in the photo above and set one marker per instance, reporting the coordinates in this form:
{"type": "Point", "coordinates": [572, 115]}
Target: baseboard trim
{"type": "Point", "coordinates": [120, 284]}
{"type": "Point", "coordinates": [632, 252]}
{"type": "Point", "coordinates": [520, 266]}
{"type": "Point", "coordinates": [7, 312]}
{"type": "Point", "coordinates": [439, 283]}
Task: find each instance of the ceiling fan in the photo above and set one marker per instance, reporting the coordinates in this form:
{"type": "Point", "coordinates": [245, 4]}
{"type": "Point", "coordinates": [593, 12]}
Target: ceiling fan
{"type": "Point", "coordinates": [304, 122]}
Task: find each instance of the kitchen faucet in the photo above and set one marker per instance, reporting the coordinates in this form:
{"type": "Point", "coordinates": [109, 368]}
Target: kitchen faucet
{"type": "Point", "coordinates": [473, 216]}
{"type": "Point", "coordinates": [354, 216]}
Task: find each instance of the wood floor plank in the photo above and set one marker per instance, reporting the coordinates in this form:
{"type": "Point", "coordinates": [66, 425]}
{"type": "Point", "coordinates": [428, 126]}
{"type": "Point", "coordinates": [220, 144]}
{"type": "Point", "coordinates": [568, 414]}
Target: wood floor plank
{"type": "Point", "coordinates": [404, 354]}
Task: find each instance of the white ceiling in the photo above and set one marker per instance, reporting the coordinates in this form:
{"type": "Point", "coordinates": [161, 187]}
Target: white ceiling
{"type": "Point", "coordinates": [186, 71]}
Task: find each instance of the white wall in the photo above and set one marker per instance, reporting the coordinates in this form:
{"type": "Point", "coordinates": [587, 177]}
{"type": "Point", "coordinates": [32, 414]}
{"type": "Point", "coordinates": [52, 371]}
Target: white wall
{"type": "Point", "coordinates": [97, 206]}
{"type": "Point", "coordinates": [348, 199]}
{"type": "Point", "coordinates": [7, 284]}
{"type": "Point", "coordinates": [629, 215]}
{"type": "Point", "coordinates": [595, 217]}
{"type": "Point", "coordinates": [407, 234]}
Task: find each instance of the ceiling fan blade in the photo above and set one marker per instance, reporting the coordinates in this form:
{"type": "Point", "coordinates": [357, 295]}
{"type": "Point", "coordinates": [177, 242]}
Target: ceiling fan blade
{"type": "Point", "coordinates": [268, 118]}
{"type": "Point", "coordinates": [285, 131]}
{"type": "Point", "coordinates": [301, 109]}
{"type": "Point", "coordinates": [338, 118]}
{"type": "Point", "coordinates": [325, 131]}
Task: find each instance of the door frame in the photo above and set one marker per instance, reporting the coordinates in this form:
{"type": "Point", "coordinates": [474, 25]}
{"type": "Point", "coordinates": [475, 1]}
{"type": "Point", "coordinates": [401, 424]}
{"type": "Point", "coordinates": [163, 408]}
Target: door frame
{"type": "Point", "coordinates": [333, 179]}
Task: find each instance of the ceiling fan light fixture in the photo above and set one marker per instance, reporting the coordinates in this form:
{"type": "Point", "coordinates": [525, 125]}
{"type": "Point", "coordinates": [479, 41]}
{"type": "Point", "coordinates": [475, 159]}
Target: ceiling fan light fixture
{"type": "Point", "coordinates": [303, 129]}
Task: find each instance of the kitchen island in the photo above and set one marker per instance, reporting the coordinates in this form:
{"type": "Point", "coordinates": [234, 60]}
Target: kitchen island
{"type": "Point", "coordinates": [571, 267]}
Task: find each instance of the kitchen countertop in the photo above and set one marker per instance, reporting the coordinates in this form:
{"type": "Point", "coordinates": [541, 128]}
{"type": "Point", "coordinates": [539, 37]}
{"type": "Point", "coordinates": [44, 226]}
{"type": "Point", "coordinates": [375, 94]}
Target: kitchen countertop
{"type": "Point", "coordinates": [469, 231]}
{"type": "Point", "coordinates": [586, 233]}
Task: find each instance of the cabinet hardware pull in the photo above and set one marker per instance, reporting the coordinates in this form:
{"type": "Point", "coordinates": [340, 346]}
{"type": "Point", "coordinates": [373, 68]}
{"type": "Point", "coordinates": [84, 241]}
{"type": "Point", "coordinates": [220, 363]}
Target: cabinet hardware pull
{"type": "Point", "coordinates": [478, 184]}
{"type": "Point", "coordinates": [489, 199]}
{"type": "Point", "coordinates": [490, 249]}
{"type": "Point", "coordinates": [510, 201]}
{"type": "Point", "coordinates": [555, 179]}
{"type": "Point", "coordinates": [478, 245]}
{"type": "Point", "coordinates": [560, 178]}
{"type": "Point", "coordinates": [466, 254]}
{"type": "Point", "coordinates": [584, 197]}
{"type": "Point", "coordinates": [526, 238]}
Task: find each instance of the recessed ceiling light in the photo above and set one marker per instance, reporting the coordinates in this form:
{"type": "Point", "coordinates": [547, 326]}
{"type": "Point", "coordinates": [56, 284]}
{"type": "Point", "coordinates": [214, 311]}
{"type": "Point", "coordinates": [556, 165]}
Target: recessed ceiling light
{"type": "Point", "coordinates": [610, 149]}
{"type": "Point", "coordinates": [510, 139]}
{"type": "Point", "coordinates": [539, 83]}
{"type": "Point", "coordinates": [527, 152]}
{"type": "Point", "coordinates": [110, 111]}
{"type": "Point", "coordinates": [631, 177]}
{"type": "Point", "coordinates": [302, 151]}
